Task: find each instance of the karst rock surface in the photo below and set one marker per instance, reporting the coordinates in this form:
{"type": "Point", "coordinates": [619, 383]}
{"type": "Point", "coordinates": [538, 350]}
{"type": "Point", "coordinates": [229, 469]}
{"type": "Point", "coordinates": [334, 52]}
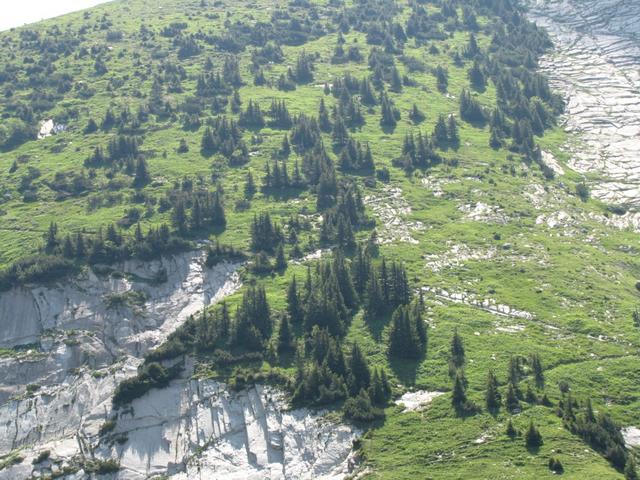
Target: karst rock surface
{"type": "Point", "coordinates": [596, 65]}
{"type": "Point", "coordinates": [81, 337]}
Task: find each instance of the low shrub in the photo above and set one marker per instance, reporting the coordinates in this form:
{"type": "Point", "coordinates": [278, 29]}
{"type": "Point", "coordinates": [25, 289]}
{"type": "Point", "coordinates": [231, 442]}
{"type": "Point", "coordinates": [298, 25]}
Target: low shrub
{"type": "Point", "coordinates": [151, 375]}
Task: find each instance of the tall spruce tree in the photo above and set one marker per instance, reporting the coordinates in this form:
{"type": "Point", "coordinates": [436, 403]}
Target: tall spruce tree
{"type": "Point", "coordinates": [359, 373]}
{"type": "Point", "coordinates": [492, 395]}
{"type": "Point", "coordinates": [294, 305]}
{"type": "Point", "coordinates": [532, 436]}
{"type": "Point", "coordinates": [459, 392]}
{"type": "Point", "coordinates": [285, 336]}
{"type": "Point", "coordinates": [457, 350]}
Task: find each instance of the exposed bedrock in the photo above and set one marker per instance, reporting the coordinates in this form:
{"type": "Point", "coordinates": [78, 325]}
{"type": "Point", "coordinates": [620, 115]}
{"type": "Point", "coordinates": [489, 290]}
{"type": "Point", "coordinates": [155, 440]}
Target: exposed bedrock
{"type": "Point", "coordinates": [87, 334]}
{"type": "Point", "coordinates": [131, 309]}
{"type": "Point", "coordinates": [193, 429]}
{"type": "Point", "coordinates": [90, 321]}
{"type": "Point", "coordinates": [596, 66]}
{"type": "Point", "coordinates": [244, 435]}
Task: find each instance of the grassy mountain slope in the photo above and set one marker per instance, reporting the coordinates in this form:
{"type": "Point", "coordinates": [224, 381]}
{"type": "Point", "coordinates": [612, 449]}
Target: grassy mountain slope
{"type": "Point", "coordinates": [534, 268]}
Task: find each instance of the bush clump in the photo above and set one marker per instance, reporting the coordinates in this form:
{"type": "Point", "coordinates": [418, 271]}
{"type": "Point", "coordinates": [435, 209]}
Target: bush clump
{"type": "Point", "coordinates": [37, 268]}
{"type": "Point", "coordinates": [152, 375]}
{"type": "Point", "coordinates": [360, 408]}
{"type": "Point", "coordinates": [101, 467]}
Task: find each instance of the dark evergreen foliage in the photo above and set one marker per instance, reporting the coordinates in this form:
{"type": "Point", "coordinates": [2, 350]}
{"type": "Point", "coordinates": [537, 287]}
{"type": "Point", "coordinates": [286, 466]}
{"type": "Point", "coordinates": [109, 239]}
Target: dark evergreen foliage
{"type": "Point", "coordinates": [408, 336]}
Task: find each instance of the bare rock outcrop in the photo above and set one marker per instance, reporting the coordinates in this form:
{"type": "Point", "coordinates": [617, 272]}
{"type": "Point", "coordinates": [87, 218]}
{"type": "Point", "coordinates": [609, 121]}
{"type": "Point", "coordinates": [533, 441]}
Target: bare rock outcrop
{"type": "Point", "coordinates": [596, 66]}
{"type": "Point", "coordinates": [89, 333]}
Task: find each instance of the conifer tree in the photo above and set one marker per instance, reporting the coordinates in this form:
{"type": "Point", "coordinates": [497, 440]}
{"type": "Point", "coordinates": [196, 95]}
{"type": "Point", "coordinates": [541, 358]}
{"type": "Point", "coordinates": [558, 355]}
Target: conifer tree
{"type": "Point", "coordinates": [208, 144]}
{"type": "Point", "coordinates": [396, 81]}
{"type": "Point", "coordinates": [179, 218]}
{"type": "Point", "coordinates": [452, 131]}
{"type": "Point", "coordinates": [51, 238]}
{"type": "Point", "coordinates": [339, 133]}
{"type": "Point", "coordinates": [494, 140]}
{"type": "Point", "coordinates": [196, 215]}
{"type": "Point", "coordinates": [225, 321]}
{"type": "Point", "coordinates": [511, 402]}
{"type": "Point", "coordinates": [476, 77]}
{"type": "Point", "coordinates": [555, 466]}
{"type": "Point", "coordinates": [513, 371]}
{"type": "Point", "coordinates": [389, 113]}
{"type": "Point", "coordinates": [630, 472]}
{"type": "Point", "coordinates": [492, 395]}
{"type": "Point", "coordinates": [536, 366]}
{"type": "Point", "coordinates": [327, 189]}
{"type": "Point", "coordinates": [416, 315]}
{"type": "Point", "coordinates": [80, 247]}
{"type": "Point", "coordinates": [589, 415]}
{"type": "Point", "coordinates": [532, 436]}
{"type": "Point", "coordinates": [404, 338]}
{"type": "Point", "coordinates": [183, 146]}
{"type": "Point", "coordinates": [236, 102]}
{"type": "Point", "coordinates": [359, 374]}
{"type": "Point", "coordinates": [142, 174]}
{"type": "Point", "coordinates": [440, 131]}
{"type": "Point", "coordinates": [442, 79]}
{"type": "Point", "coordinates": [386, 386]}
{"type": "Point", "coordinates": [470, 108]}
{"type": "Point", "coordinates": [254, 313]}
{"type": "Point", "coordinates": [249, 186]}
{"type": "Point", "coordinates": [91, 127]}
{"type": "Point", "coordinates": [359, 408]}
{"type": "Point", "coordinates": [416, 116]}
{"type": "Point", "coordinates": [345, 282]}
{"type": "Point", "coordinates": [457, 350]}
{"type": "Point", "coordinates": [367, 96]}
{"type": "Point", "coordinates": [530, 395]}
{"type": "Point", "coordinates": [375, 390]}
{"type": "Point", "coordinates": [281, 260]}
{"type": "Point", "coordinates": [323, 118]}
{"type": "Point", "coordinates": [67, 247]}
{"type": "Point", "coordinates": [259, 78]}
{"type": "Point", "coordinates": [472, 48]}
{"type": "Point", "coordinates": [285, 148]}
{"type": "Point", "coordinates": [285, 337]}
{"type": "Point", "coordinates": [360, 268]}
{"type": "Point", "coordinates": [459, 392]}
{"type": "Point", "coordinates": [304, 68]}
{"type": "Point", "coordinates": [252, 117]}
{"type": "Point", "coordinates": [374, 303]}
{"type": "Point", "coordinates": [217, 215]}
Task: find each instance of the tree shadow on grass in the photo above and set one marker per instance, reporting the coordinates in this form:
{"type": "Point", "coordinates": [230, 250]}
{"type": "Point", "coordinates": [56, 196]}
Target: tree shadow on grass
{"type": "Point", "coordinates": [286, 358]}
{"type": "Point", "coordinates": [467, 410]}
{"type": "Point", "coordinates": [533, 449]}
{"type": "Point", "coordinates": [377, 325]}
{"type": "Point", "coordinates": [479, 123]}
{"type": "Point", "coordinates": [405, 369]}
{"type": "Point", "coordinates": [494, 412]}
{"type": "Point", "coordinates": [479, 88]}
{"type": "Point", "coordinates": [388, 129]}
{"type": "Point", "coordinates": [449, 145]}
{"type": "Point", "coordinates": [193, 235]}
{"type": "Point", "coordinates": [282, 194]}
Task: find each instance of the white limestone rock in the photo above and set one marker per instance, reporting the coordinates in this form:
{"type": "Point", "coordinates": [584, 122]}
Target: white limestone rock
{"type": "Point", "coordinates": [413, 401]}
{"type": "Point", "coordinates": [596, 66]}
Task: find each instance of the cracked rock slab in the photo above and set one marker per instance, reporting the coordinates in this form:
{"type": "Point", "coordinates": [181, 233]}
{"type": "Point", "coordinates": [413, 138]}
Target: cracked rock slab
{"type": "Point", "coordinates": [596, 66]}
